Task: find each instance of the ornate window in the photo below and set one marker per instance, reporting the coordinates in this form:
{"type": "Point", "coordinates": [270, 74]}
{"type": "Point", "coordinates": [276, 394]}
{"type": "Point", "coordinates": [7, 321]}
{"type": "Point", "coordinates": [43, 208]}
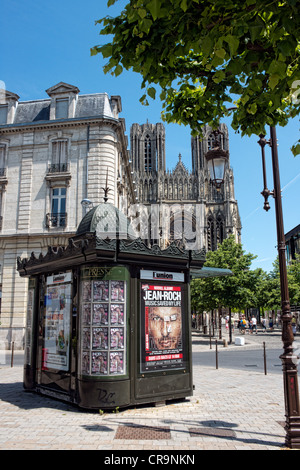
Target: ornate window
{"type": "Point", "coordinates": [211, 246]}
{"type": "Point", "coordinates": [219, 230]}
{"type": "Point", "coordinates": [58, 216]}
{"type": "Point", "coordinates": [59, 157]}
{"type": "Point", "coordinates": [147, 153]}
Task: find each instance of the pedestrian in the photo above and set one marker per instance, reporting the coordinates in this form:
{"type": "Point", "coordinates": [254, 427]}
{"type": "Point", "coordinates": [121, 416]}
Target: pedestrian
{"type": "Point", "coordinates": [254, 324]}
{"type": "Point", "coordinates": [243, 325]}
{"type": "Point", "coordinates": [263, 323]}
{"type": "Point", "coordinates": [250, 325]}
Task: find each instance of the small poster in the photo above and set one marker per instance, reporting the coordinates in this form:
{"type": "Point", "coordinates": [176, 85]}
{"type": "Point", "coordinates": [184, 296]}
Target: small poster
{"type": "Point", "coordinates": [86, 338]}
{"type": "Point", "coordinates": [117, 338]}
{"type": "Point", "coordinates": [117, 291]}
{"type": "Point", "coordinates": [117, 314]}
{"type": "Point", "coordinates": [100, 338]}
{"type": "Point", "coordinates": [99, 363]}
{"type": "Point", "coordinates": [86, 291]}
{"type": "Point", "coordinates": [86, 314]}
{"type": "Point", "coordinates": [85, 362]}
{"type": "Point", "coordinates": [100, 314]}
{"type": "Point", "coordinates": [116, 362]}
{"type": "Point", "coordinates": [100, 291]}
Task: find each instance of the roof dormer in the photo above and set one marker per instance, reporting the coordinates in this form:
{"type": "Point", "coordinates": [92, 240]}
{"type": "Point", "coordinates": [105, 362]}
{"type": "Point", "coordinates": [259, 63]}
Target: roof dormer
{"type": "Point", "coordinates": [63, 101]}
{"type": "Point", "coordinates": [8, 106]}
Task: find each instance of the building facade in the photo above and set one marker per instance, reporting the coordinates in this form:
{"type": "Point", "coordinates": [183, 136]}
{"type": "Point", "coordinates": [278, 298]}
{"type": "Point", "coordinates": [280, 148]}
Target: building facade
{"type": "Point", "coordinates": [54, 154]}
{"type": "Point", "coordinates": [189, 208]}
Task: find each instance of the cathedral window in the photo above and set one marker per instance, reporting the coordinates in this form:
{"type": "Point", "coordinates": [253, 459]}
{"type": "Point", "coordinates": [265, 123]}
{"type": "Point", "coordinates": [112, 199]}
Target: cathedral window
{"type": "Point", "coordinates": [210, 235]}
{"type": "Point", "coordinates": [219, 230]}
{"type": "Point", "coordinates": [148, 153]}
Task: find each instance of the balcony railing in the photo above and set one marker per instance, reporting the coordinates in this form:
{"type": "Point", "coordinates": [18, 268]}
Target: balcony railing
{"type": "Point", "coordinates": [56, 219]}
{"type": "Point", "coordinates": [2, 172]}
{"type": "Point", "coordinates": [58, 168]}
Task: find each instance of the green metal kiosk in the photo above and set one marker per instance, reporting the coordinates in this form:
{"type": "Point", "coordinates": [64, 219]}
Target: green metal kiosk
{"type": "Point", "coordinates": [108, 319]}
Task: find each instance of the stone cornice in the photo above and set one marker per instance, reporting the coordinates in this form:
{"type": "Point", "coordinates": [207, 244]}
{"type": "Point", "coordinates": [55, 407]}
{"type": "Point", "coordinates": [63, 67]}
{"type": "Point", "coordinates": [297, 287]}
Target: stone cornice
{"type": "Point", "coordinates": [59, 124]}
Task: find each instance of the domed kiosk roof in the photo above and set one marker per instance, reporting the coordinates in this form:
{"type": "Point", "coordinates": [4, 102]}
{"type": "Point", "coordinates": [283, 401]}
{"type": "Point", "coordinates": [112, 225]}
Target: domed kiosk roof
{"type": "Point", "coordinates": [107, 222]}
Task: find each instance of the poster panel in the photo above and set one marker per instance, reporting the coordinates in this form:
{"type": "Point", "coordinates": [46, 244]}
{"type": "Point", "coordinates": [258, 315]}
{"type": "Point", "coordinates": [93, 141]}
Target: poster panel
{"type": "Point", "coordinates": [58, 302]}
{"type": "Point", "coordinates": [162, 327]}
{"type": "Point", "coordinates": [103, 324]}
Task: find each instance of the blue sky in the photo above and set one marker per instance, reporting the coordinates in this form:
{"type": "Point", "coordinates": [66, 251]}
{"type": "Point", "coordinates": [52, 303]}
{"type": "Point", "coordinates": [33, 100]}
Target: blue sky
{"type": "Point", "coordinates": [43, 43]}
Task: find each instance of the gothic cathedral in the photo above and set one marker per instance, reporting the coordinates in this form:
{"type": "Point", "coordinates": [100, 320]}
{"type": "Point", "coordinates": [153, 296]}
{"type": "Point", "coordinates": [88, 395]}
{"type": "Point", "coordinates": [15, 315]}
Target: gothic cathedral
{"type": "Point", "coordinates": [187, 207]}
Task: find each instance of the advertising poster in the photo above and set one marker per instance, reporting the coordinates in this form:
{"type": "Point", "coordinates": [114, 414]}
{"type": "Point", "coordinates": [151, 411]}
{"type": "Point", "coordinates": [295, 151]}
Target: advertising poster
{"type": "Point", "coordinates": [57, 322]}
{"type": "Point", "coordinates": [162, 327]}
{"type": "Point", "coordinates": [103, 327]}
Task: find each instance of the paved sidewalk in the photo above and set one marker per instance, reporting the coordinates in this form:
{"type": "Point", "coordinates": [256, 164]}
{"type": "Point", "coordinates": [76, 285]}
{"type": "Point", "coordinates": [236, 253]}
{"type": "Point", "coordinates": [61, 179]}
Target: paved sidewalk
{"type": "Point", "coordinates": [230, 410]}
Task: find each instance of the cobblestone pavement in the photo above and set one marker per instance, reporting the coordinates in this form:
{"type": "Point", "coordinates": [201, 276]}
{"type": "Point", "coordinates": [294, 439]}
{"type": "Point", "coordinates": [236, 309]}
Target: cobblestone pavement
{"type": "Point", "coordinates": [230, 410]}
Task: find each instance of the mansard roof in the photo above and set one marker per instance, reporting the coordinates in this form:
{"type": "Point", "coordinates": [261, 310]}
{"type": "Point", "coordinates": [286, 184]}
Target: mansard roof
{"type": "Point", "coordinates": [89, 105]}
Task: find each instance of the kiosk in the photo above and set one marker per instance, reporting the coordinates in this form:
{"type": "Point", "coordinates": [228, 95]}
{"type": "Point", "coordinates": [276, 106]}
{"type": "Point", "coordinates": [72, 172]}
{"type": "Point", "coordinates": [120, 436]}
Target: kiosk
{"type": "Point", "coordinates": [108, 319]}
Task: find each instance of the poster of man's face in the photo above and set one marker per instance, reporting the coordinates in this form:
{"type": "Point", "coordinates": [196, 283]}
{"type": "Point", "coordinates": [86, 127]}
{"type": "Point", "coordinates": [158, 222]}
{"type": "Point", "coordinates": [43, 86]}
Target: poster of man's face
{"type": "Point", "coordinates": [165, 328]}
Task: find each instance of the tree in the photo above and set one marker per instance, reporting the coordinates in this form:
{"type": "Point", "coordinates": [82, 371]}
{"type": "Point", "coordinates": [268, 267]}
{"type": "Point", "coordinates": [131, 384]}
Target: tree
{"type": "Point", "coordinates": [293, 273]}
{"type": "Point", "coordinates": [236, 291]}
{"type": "Point", "coordinates": [206, 54]}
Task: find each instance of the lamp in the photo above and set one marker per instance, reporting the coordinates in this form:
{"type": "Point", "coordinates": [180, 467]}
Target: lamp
{"type": "Point", "coordinates": [216, 161]}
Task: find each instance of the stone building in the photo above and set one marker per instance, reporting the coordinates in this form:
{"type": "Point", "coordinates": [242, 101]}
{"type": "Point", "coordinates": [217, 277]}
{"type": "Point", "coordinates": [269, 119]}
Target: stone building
{"type": "Point", "coordinates": [55, 153]}
{"type": "Point", "coordinates": [190, 209]}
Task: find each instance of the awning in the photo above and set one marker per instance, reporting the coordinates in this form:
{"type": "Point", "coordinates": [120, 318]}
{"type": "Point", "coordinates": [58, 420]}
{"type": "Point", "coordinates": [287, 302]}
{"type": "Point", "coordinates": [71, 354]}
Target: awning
{"type": "Point", "coordinates": [209, 272]}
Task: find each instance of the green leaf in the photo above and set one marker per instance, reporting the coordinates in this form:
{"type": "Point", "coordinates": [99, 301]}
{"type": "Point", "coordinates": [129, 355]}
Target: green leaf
{"type": "Point", "coordinates": [145, 25]}
{"type": "Point", "coordinates": [221, 53]}
{"type": "Point", "coordinates": [142, 13]}
{"type": "Point", "coordinates": [105, 50]}
{"type": "Point", "coordinates": [273, 81]}
{"type": "Point", "coordinates": [233, 44]}
{"type": "Point", "coordinates": [252, 108]}
{"type": "Point", "coordinates": [111, 2]}
{"type": "Point", "coordinates": [296, 149]}
{"type": "Point", "coordinates": [151, 92]}
{"type": "Point", "coordinates": [207, 45]}
{"type": "Point", "coordinates": [183, 5]}
{"type": "Point", "coordinates": [118, 70]}
{"type": "Point", "coordinates": [154, 8]}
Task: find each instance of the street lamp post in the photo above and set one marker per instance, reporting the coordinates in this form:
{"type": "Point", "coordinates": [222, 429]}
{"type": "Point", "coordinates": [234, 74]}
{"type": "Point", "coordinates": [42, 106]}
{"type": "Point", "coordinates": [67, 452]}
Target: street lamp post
{"type": "Point", "coordinates": [289, 362]}
{"type": "Point", "coordinates": [217, 158]}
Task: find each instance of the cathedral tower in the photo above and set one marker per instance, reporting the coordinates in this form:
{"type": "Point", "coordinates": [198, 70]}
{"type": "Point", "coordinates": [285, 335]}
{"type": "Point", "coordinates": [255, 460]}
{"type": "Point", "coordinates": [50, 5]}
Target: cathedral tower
{"type": "Point", "coordinates": [212, 213]}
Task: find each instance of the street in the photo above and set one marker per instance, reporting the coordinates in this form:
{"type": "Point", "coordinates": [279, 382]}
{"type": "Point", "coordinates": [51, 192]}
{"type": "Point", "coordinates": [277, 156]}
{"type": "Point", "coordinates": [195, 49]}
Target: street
{"type": "Point", "coordinates": [249, 356]}
{"type": "Point", "coordinates": [236, 407]}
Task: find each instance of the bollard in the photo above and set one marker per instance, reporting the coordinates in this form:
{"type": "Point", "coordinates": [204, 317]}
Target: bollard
{"type": "Point", "coordinates": [217, 359]}
{"type": "Point", "coordinates": [12, 354]}
{"type": "Point", "coordinates": [265, 358]}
